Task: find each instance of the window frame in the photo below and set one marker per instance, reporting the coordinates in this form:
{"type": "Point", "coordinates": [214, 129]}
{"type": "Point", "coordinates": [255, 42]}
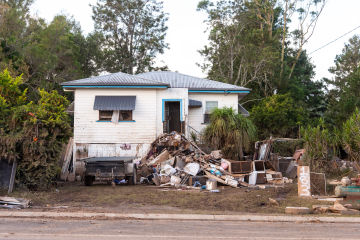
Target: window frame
{"type": "Point", "coordinates": [207, 114]}
{"type": "Point", "coordinates": [126, 120]}
{"type": "Point", "coordinates": [102, 119]}
{"type": "Point", "coordinates": [109, 119]}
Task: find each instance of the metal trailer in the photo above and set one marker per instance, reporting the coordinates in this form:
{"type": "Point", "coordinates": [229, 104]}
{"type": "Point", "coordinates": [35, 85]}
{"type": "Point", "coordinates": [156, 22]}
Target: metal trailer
{"type": "Point", "coordinates": [109, 168]}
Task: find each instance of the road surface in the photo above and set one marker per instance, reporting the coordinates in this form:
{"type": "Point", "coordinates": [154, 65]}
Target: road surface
{"type": "Point", "coordinates": [11, 228]}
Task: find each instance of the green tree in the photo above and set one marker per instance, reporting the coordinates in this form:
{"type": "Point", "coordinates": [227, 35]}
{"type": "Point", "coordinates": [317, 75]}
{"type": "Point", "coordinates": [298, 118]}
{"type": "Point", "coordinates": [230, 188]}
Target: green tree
{"type": "Point", "coordinates": [32, 133]}
{"type": "Point", "coordinates": [231, 132]}
{"type": "Point", "coordinates": [44, 132]}
{"type": "Point", "coordinates": [250, 44]}
{"type": "Point", "coordinates": [278, 116]}
{"type": "Point", "coordinates": [303, 89]}
{"type": "Point", "coordinates": [134, 33]}
{"type": "Point", "coordinates": [54, 54]}
{"type": "Point", "coordinates": [243, 43]}
{"type": "Point", "coordinates": [344, 94]}
{"type": "Point", "coordinates": [320, 145]}
{"type": "Point", "coordinates": [45, 54]}
{"type": "Point", "coordinates": [14, 18]}
{"type": "Point", "coordinates": [307, 13]}
{"type": "Point", "coordinates": [351, 136]}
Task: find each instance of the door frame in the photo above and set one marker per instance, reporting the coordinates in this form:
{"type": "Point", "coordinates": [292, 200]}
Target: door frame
{"type": "Point", "coordinates": [172, 100]}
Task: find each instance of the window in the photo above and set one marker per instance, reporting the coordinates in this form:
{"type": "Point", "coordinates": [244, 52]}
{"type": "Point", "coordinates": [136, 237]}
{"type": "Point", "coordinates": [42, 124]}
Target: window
{"type": "Point", "coordinates": [115, 108]}
{"type": "Point", "coordinates": [209, 107]}
{"type": "Point", "coordinates": [125, 116]}
{"type": "Point", "coordinates": [105, 115]}
{"type": "Point", "coordinates": [108, 115]}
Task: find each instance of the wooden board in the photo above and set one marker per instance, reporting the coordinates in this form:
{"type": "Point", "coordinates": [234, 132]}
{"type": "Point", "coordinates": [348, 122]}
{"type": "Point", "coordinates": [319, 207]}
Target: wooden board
{"type": "Point", "coordinates": [318, 183]}
{"type": "Point", "coordinates": [304, 188]}
{"type": "Point", "coordinates": [67, 159]}
{"type": "Point", "coordinates": [209, 175]}
{"type": "Point", "coordinates": [7, 175]}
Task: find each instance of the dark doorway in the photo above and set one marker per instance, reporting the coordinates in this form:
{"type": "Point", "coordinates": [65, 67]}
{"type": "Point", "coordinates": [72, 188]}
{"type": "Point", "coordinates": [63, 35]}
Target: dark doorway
{"type": "Point", "coordinates": [172, 117]}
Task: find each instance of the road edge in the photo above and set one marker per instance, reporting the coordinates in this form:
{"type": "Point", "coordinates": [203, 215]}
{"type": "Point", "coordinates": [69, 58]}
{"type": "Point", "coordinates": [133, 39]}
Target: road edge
{"type": "Point", "coordinates": [197, 217]}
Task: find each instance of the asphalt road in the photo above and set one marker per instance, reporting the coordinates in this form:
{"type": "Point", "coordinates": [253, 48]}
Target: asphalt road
{"type": "Point", "coordinates": [160, 229]}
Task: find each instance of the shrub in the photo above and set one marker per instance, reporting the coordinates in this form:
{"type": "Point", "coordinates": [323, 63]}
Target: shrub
{"type": "Point", "coordinates": [351, 136]}
{"type": "Point", "coordinates": [32, 133]}
{"type": "Point", "coordinates": [277, 116]}
{"type": "Point", "coordinates": [287, 146]}
{"type": "Point", "coordinates": [230, 132]}
{"type": "Point", "coordinates": [320, 146]}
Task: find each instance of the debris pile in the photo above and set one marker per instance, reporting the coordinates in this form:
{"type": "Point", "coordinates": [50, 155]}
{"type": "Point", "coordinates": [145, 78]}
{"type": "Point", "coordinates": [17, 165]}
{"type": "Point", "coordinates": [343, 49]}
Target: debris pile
{"type": "Point", "coordinates": [14, 203]}
{"type": "Point", "coordinates": [338, 207]}
{"type": "Point", "coordinates": [173, 160]}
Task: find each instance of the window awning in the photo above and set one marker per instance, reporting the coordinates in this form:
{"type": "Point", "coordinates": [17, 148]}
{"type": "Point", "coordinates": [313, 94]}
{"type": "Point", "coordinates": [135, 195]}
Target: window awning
{"type": "Point", "coordinates": [113, 103]}
{"type": "Point", "coordinates": [194, 103]}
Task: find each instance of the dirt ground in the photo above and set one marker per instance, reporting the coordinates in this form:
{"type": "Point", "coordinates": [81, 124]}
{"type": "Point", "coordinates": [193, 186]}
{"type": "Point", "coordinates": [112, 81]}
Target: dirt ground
{"type": "Point", "coordinates": [152, 199]}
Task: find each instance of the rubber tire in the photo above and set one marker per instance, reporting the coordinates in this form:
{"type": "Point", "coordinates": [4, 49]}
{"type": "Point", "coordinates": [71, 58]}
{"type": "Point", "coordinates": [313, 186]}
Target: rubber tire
{"type": "Point", "coordinates": [130, 180]}
{"type": "Point", "coordinates": [89, 180]}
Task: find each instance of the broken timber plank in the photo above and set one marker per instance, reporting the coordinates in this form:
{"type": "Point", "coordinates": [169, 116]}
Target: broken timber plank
{"type": "Point", "coordinates": [209, 175]}
{"type": "Point", "coordinates": [67, 159]}
{"type": "Point", "coordinates": [12, 177]}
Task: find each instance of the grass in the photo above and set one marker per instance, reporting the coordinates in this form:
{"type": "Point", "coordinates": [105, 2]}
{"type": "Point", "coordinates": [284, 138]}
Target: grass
{"type": "Point", "coordinates": [143, 198]}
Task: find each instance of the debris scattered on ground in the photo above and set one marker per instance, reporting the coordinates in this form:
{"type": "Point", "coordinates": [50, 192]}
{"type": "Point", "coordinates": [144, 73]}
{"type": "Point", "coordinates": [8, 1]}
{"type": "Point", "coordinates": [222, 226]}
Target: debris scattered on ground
{"type": "Point", "coordinates": [14, 203]}
{"type": "Point", "coordinates": [173, 160]}
{"type": "Point", "coordinates": [346, 200]}
{"type": "Point", "coordinates": [297, 210]}
{"type": "Point", "coordinates": [336, 208]}
{"type": "Point", "coordinates": [273, 202]}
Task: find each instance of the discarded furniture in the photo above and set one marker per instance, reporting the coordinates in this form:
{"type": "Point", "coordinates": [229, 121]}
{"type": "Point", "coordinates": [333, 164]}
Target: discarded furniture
{"type": "Point", "coordinates": [341, 191]}
{"type": "Point", "coordinates": [239, 167]}
{"type": "Point", "coordinates": [258, 175]}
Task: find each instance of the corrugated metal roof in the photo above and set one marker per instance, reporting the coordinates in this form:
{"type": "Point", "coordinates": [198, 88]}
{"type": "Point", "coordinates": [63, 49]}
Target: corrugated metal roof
{"type": "Point", "coordinates": [114, 79]}
{"type": "Point", "coordinates": [154, 79]}
{"type": "Point", "coordinates": [113, 103]}
{"type": "Point", "coordinates": [178, 80]}
{"type": "Point", "coordinates": [195, 103]}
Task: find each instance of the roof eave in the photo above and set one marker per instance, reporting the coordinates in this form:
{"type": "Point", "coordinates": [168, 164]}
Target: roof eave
{"type": "Point", "coordinates": [74, 86]}
{"type": "Point", "coordinates": [220, 90]}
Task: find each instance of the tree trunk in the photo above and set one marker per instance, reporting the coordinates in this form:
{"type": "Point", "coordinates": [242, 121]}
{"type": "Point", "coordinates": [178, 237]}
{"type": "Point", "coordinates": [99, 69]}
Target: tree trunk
{"type": "Point", "coordinates": [294, 63]}
{"type": "Point", "coordinates": [283, 40]}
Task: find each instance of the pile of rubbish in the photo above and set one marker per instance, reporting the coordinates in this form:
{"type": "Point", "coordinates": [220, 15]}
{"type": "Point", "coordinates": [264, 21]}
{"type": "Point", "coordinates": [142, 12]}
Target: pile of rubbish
{"type": "Point", "coordinates": [14, 203]}
{"type": "Point", "coordinates": [348, 193]}
{"type": "Point", "coordinates": [173, 160]}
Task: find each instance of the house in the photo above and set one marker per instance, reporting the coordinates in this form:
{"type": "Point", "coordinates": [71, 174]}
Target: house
{"type": "Point", "coordinates": [121, 114]}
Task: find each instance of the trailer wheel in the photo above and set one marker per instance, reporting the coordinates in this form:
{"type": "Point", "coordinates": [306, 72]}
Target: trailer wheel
{"type": "Point", "coordinates": [130, 180]}
{"type": "Point", "coordinates": [88, 180]}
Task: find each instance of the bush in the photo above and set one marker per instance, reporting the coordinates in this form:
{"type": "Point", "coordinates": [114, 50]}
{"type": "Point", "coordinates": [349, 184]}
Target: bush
{"type": "Point", "coordinates": [320, 146]}
{"type": "Point", "coordinates": [351, 136]}
{"type": "Point", "coordinates": [33, 133]}
{"type": "Point", "coordinates": [230, 132]}
{"type": "Point", "coordinates": [287, 147]}
{"type": "Point", "coordinates": [277, 116]}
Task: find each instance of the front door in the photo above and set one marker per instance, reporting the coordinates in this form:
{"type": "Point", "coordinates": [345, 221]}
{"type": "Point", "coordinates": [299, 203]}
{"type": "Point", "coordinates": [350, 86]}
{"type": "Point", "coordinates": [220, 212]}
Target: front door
{"type": "Point", "coordinates": [172, 117]}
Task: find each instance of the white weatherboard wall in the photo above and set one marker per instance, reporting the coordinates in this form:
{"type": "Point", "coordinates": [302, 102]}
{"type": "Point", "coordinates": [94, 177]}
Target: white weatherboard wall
{"type": "Point", "coordinates": [107, 138]}
{"type": "Point", "coordinates": [196, 115]}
